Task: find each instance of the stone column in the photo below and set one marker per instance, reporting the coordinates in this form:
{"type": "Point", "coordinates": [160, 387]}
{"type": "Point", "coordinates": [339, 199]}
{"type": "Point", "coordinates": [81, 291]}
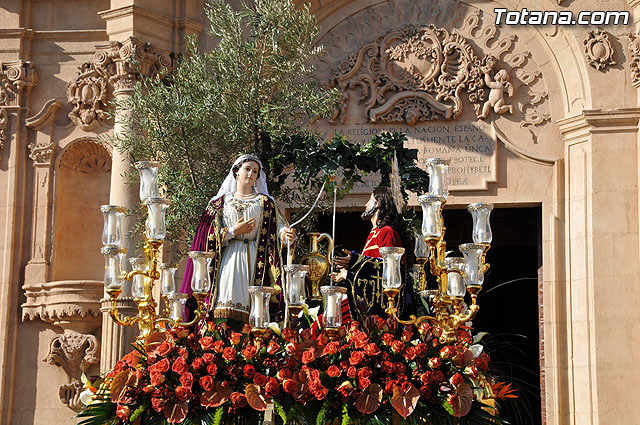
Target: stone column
{"type": "Point", "coordinates": [123, 63]}
{"type": "Point", "coordinates": [602, 251]}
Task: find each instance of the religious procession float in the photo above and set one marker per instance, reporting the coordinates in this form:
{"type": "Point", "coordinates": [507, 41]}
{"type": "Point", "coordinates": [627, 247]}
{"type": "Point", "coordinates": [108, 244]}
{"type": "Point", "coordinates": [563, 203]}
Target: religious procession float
{"type": "Point", "coordinates": [372, 369]}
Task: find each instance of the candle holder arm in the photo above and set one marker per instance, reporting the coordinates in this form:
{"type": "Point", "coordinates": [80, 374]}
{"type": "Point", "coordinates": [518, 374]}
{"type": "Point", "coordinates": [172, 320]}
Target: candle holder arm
{"type": "Point", "coordinates": [120, 320]}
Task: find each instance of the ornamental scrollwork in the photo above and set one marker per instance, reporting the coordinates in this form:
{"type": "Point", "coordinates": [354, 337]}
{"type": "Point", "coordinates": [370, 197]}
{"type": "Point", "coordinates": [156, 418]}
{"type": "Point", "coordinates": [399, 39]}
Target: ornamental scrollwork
{"type": "Point", "coordinates": [634, 63]}
{"type": "Point", "coordinates": [4, 125]}
{"type": "Point", "coordinates": [115, 66]}
{"type": "Point", "coordinates": [42, 153]}
{"type": "Point", "coordinates": [599, 50]}
{"type": "Point", "coordinates": [75, 353]}
{"type": "Point", "coordinates": [16, 79]}
{"type": "Point", "coordinates": [419, 74]}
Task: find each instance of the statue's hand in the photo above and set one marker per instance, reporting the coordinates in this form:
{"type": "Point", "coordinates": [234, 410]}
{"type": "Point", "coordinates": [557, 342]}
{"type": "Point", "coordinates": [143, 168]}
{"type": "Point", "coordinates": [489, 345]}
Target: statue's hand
{"type": "Point", "coordinates": [243, 226]}
{"type": "Point", "coordinates": [339, 276]}
{"type": "Point", "coordinates": [343, 262]}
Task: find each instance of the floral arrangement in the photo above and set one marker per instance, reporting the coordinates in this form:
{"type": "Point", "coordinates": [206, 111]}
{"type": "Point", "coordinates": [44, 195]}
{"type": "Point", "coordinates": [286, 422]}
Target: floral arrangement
{"type": "Point", "coordinates": [371, 372]}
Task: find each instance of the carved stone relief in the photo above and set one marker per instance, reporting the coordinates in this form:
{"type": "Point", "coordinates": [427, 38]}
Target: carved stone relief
{"type": "Point", "coordinates": [420, 73]}
{"type": "Point", "coordinates": [75, 353]}
{"type": "Point", "coordinates": [599, 50]}
{"type": "Point", "coordinates": [115, 66]}
{"type": "Point", "coordinates": [87, 157]}
{"type": "Point", "coordinates": [42, 153]}
{"type": "Point", "coordinates": [634, 63]}
{"type": "Point", "coordinates": [16, 80]}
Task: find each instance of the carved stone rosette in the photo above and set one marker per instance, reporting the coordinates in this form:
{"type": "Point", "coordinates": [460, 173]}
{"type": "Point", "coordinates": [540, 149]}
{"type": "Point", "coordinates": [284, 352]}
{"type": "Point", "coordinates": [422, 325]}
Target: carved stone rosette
{"type": "Point", "coordinates": [599, 50]}
{"type": "Point", "coordinates": [415, 74]}
{"type": "Point", "coordinates": [115, 66]}
{"type": "Point", "coordinates": [75, 353]}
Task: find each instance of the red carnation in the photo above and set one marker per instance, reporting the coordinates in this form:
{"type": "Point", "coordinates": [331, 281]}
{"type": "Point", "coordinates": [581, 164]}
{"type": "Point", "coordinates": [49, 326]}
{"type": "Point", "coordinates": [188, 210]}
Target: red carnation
{"type": "Point", "coordinates": [333, 371]}
{"type": "Point", "coordinates": [229, 354]}
{"type": "Point", "coordinates": [180, 366]}
{"type": "Point", "coordinates": [206, 382]}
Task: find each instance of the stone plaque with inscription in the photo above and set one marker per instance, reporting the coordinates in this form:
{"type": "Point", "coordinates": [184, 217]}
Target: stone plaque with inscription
{"type": "Point", "coordinates": [471, 147]}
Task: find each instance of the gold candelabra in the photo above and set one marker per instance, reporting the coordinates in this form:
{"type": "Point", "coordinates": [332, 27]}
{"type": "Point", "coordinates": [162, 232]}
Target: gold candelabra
{"type": "Point", "coordinates": [145, 271]}
{"type": "Point", "coordinates": [455, 276]}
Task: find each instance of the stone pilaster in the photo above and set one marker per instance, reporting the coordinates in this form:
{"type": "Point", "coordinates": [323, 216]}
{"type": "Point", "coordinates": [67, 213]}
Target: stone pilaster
{"type": "Point", "coordinates": [16, 80]}
{"type": "Point", "coordinates": [602, 247]}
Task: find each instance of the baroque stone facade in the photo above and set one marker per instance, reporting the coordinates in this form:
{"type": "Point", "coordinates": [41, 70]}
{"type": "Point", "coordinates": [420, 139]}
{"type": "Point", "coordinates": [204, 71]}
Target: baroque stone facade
{"type": "Point", "coordinates": [542, 116]}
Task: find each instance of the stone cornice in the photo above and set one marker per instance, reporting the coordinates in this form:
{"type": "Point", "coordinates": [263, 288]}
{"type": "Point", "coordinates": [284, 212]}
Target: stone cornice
{"type": "Point", "coordinates": [621, 120]}
{"type": "Point", "coordinates": [134, 10]}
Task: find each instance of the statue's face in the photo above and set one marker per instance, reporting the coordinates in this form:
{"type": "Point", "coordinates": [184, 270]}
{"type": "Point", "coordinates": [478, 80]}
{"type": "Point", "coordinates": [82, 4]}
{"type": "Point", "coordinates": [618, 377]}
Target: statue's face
{"type": "Point", "coordinates": [248, 173]}
{"type": "Point", "coordinates": [370, 208]}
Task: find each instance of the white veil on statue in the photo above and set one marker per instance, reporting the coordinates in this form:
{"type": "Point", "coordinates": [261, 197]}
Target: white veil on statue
{"type": "Point", "coordinates": [229, 185]}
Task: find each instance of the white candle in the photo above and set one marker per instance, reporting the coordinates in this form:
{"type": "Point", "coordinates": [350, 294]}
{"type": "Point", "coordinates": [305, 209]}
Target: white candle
{"type": "Point", "coordinates": [294, 293]}
{"type": "Point", "coordinates": [259, 308]}
{"type": "Point", "coordinates": [332, 308]}
{"type": "Point", "coordinates": [112, 227]}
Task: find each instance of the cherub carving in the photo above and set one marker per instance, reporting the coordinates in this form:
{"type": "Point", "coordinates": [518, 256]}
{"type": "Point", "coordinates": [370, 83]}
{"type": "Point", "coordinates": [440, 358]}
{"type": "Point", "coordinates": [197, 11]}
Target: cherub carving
{"type": "Point", "coordinates": [497, 87]}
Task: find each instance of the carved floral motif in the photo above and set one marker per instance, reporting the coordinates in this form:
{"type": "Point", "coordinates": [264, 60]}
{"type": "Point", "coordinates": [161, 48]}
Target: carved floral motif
{"type": "Point", "coordinates": [634, 63]}
{"type": "Point", "coordinates": [599, 49]}
{"type": "Point", "coordinates": [75, 353]}
{"type": "Point", "coordinates": [115, 66]}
